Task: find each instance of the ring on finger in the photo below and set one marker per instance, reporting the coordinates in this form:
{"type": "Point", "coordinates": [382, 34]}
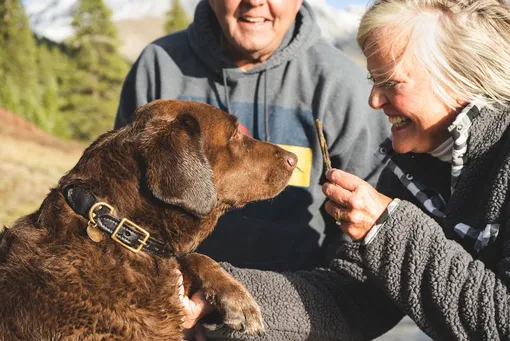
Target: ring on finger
{"type": "Point", "coordinates": [338, 218]}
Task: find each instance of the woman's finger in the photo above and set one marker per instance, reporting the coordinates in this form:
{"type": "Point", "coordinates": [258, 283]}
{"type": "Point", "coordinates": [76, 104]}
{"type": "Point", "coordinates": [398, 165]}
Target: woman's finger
{"type": "Point", "coordinates": [337, 193]}
{"type": "Point", "coordinates": [343, 179]}
{"type": "Point", "coordinates": [338, 212]}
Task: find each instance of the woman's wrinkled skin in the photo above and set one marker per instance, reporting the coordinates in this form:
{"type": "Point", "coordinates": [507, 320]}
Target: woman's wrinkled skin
{"type": "Point", "coordinates": [419, 120]}
{"type": "Point", "coordinates": [354, 203]}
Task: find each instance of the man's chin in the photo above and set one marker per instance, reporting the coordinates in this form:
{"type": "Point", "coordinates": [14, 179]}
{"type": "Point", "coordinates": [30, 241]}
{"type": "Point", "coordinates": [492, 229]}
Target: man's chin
{"type": "Point", "coordinates": [257, 50]}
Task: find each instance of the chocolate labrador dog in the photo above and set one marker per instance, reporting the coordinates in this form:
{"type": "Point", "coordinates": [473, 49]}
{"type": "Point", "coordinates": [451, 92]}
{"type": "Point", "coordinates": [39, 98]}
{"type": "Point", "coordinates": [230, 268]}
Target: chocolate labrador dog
{"type": "Point", "coordinates": [98, 259]}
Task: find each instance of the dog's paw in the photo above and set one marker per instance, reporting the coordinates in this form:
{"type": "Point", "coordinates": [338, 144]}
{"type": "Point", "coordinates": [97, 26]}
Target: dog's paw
{"type": "Point", "coordinates": [238, 309]}
{"type": "Point", "coordinates": [243, 314]}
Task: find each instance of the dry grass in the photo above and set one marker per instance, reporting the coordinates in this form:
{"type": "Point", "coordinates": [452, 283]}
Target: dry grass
{"type": "Point", "coordinates": [27, 171]}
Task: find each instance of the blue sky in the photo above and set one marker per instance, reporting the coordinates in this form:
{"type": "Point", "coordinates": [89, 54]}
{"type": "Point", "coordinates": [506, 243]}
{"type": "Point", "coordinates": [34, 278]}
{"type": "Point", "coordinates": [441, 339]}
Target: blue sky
{"type": "Point", "coordinates": [343, 4]}
{"type": "Point", "coordinates": [336, 3]}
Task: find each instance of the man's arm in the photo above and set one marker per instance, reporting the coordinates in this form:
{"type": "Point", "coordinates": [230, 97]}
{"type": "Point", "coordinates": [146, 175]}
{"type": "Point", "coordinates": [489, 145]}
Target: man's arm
{"type": "Point", "coordinates": [321, 305]}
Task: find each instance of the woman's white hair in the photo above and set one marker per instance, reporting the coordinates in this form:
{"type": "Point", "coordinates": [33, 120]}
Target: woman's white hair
{"type": "Point", "coordinates": [463, 44]}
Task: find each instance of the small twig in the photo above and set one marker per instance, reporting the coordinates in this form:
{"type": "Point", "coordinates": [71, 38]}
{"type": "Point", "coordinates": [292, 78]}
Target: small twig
{"type": "Point", "coordinates": [324, 146]}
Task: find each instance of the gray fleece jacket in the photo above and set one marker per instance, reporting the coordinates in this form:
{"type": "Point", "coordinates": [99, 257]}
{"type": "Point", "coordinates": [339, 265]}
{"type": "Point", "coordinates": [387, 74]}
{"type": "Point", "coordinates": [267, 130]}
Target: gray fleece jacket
{"type": "Point", "coordinates": [418, 264]}
{"type": "Point", "coordinates": [277, 100]}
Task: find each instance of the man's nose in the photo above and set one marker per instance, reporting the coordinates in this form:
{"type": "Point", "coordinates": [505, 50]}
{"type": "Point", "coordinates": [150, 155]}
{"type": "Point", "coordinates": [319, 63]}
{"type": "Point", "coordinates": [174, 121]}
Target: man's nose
{"type": "Point", "coordinates": [254, 3]}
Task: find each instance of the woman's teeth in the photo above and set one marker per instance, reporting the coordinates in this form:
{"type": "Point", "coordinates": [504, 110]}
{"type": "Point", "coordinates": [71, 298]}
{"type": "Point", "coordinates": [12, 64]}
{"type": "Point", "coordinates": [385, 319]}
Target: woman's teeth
{"type": "Point", "coordinates": [398, 121]}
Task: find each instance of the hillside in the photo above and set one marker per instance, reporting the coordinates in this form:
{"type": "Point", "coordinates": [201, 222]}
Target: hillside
{"type": "Point", "coordinates": [31, 162]}
{"type": "Point", "coordinates": [136, 33]}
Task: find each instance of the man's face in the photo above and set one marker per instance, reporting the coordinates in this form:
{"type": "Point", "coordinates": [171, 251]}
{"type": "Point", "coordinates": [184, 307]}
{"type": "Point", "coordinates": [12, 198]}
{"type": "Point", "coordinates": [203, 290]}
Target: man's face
{"type": "Point", "coordinates": [255, 28]}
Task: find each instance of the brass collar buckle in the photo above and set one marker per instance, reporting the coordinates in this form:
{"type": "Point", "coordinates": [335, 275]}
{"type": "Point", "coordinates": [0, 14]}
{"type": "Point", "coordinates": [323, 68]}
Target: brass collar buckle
{"type": "Point", "coordinates": [125, 225]}
{"type": "Point", "coordinates": [142, 242]}
{"type": "Point", "coordinates": [102, 221]}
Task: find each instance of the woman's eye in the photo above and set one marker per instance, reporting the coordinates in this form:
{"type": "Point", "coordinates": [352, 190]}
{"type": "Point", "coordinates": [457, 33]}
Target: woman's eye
{"type": "Point", "coordinates": [385, 85]}
{"type": "Point", "coordinates": [389, 84]}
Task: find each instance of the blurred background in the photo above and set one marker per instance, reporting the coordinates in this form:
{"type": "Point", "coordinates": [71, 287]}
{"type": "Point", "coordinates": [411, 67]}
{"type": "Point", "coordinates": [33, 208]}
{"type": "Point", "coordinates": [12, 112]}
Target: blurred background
{"type": "Point", "coordinates": [62, 63]}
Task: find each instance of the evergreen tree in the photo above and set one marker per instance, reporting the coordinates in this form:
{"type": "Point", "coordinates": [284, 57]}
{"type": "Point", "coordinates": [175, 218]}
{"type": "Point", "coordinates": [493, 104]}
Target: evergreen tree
{"type": "Point", "coordinates": [94, 85]}
{"type": "Point", "coordinates": [66, 77]}
{"type": "Point", "coordinates": [64, 70]}
{"type": "Point", "coordinates": [18, 68]}
{"type": "Point", "coordinates": [49, 116]}
{"type": "Point", "coordinates": [176, 18]}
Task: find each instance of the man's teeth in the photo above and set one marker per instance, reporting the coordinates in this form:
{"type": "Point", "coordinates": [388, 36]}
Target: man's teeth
{"type": "Point", "coordinates": [398, 121]}
{"type": "Point", "coordinates": [254, 20]}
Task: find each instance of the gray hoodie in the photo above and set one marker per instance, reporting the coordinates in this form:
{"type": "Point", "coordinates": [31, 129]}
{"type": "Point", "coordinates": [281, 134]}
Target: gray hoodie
{"type": "Point", "coordinates": [277, 100]}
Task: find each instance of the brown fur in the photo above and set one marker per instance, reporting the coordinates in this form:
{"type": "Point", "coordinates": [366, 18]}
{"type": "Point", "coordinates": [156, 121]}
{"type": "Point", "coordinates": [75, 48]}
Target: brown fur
{"type": "Point", "coordinates": [173, 171]}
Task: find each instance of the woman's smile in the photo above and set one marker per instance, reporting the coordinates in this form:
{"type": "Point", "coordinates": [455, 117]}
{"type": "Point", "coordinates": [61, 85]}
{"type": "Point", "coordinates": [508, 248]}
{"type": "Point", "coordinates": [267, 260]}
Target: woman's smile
{"type": "Point", "coordinates": [399, 121]}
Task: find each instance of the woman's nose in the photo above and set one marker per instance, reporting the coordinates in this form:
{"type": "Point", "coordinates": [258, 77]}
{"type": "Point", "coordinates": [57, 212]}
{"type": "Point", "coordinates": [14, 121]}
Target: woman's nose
{"type": "Point", "coordinates": [377, 98]}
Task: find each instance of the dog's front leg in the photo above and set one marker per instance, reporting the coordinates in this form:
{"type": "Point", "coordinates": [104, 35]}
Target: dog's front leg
{"type": "Point", "coordinates": [235, 304]}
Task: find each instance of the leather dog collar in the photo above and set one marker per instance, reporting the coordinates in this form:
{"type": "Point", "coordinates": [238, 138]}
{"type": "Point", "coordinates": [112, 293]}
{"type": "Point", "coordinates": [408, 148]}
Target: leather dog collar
{"type": "Point", "coordinates": [122, 231]}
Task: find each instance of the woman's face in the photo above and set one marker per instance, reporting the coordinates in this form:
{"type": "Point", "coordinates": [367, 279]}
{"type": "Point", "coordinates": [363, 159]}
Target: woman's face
{"type": "Point", "coordinates": [255, 28]}
{"type": "Point", "coordinates": [419, 119]}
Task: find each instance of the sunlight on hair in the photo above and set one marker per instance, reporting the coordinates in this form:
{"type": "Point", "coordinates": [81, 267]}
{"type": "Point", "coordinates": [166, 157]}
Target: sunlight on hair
{"type": "Point", "coordinates": [464, 45]}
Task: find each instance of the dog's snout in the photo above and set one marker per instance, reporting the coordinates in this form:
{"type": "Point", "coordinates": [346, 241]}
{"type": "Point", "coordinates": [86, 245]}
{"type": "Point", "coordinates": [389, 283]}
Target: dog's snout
{"type": "Point", "coordinates": [291, 161]}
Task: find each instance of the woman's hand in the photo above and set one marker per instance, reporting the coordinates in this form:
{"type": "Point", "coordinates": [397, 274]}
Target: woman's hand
{"type": "Point", "coordinates": [354, 203]}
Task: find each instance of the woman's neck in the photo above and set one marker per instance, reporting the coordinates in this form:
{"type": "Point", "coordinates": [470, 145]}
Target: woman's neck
{"type": "Point", "coordinates": [444, 151]}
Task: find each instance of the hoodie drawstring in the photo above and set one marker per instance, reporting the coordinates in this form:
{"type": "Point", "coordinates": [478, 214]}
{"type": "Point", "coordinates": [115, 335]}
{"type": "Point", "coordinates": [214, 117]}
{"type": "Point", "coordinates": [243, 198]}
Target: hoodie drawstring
{"type": "Point", "coordinates": [225, 88]}
{"type": "Point", "coordinates": [266, 111]}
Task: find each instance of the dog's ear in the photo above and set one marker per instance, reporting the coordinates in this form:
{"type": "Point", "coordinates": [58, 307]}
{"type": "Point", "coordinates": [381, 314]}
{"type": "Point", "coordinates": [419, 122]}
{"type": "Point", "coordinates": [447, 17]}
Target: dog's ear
{"type": "Point", "coordinates": [177, 171]}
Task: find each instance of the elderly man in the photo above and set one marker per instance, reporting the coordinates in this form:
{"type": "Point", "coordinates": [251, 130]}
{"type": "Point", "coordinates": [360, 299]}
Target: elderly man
{"type": "Point", "coordinates": [265, 62]}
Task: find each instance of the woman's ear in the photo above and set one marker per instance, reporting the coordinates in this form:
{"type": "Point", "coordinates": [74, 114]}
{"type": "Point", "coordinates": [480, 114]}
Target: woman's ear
{"type": "Point", "coordinates": [461, 103]}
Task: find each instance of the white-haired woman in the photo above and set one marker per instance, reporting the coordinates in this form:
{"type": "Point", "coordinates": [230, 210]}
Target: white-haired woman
{"type": "Point", "coordinates": [433, 241]}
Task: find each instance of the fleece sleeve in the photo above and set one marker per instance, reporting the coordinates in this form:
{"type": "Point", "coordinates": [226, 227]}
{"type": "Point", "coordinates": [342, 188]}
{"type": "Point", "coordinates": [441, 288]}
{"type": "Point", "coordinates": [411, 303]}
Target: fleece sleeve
{"type": "Point", "coordinates": [319, 305]}
{"type": "Point", "coordinates": [436, 282]}
{"type": "Point", "coordinates": [139, 87]}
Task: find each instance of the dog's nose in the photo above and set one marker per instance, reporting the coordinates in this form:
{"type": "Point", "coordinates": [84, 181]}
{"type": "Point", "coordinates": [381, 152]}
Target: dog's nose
{"type": "Point", "coordinates": [291, 161]}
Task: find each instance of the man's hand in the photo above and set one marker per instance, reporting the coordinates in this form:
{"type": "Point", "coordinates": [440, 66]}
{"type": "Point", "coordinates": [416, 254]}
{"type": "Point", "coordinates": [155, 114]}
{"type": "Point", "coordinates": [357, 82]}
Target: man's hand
{"type": "Point", "coordinates": [194, 309]}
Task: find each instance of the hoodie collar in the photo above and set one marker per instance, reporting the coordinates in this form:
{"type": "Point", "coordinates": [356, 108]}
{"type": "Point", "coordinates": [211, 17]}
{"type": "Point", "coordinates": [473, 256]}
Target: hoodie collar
{"type": "Point", "coordinates": [204, 32]}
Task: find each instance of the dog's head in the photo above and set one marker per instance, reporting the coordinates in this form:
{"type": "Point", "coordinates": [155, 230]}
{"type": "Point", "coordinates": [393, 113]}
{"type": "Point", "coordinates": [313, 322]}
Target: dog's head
{"type": "Point", "coordinates": [196, 156]}
{"type": "Point", "coordinates": [181, 160]}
